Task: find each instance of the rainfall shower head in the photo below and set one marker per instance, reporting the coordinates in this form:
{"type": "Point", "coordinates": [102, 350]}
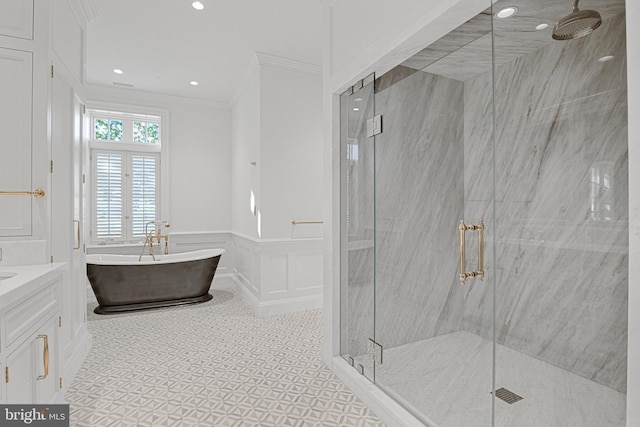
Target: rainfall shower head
{"type": "Point", "coordinates": [578, 23]}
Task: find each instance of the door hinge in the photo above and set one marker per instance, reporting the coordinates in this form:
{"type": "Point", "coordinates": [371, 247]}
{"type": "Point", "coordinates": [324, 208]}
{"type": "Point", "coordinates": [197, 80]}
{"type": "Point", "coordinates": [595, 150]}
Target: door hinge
{"type": "Point", "coordinates": [60, 383]}
{"type": "Point", "coordinates": [84, 109]}
{"type": "Point", "coordinates": [84, 179]}
{"type": "Point", "coordinates": [374, 126]}
{"type": "Point", "coordinates": [59, 321]}
{"type": "Point", "coordinates": [51, 70]}
{"type": "Point", "coordinates": [51, 166]}
{"type": "Point", "coordinates": [374, 350]}
{"type": "Point", "coordinates": [6, 374]}
{"type": "Point", "coordinates": [51, 259]}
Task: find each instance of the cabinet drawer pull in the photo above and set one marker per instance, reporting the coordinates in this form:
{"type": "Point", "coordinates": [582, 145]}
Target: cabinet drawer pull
{"type": "Point", "coordinates": [45, 356]}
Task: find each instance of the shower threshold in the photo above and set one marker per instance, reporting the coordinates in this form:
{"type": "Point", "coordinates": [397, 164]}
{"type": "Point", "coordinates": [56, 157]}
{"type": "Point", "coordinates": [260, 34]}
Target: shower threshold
{"type": "Point", "coordinates": [448, 380]}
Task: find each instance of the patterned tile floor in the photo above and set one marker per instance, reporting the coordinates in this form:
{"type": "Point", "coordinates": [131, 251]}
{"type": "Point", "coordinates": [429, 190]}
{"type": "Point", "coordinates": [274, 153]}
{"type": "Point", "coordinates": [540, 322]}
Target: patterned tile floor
{"type": "Point", "coordinates": [213, 364]}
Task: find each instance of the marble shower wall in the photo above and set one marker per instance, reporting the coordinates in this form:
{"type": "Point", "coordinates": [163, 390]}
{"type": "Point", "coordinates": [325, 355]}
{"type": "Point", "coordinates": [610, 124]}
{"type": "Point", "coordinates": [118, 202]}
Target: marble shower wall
{"type": "Point", "coordinates": [561, 204]}
{"type": "Point", "coordinates": [419, 200]}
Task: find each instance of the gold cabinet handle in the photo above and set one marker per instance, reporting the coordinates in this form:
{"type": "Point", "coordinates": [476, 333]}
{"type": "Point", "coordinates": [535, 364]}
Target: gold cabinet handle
{"type": "Point", "coordinates": [77, 222]}
{"type": "Point", "coordinates": [45, 356]}
{"type": "Point", "coordinates": [462, 228]}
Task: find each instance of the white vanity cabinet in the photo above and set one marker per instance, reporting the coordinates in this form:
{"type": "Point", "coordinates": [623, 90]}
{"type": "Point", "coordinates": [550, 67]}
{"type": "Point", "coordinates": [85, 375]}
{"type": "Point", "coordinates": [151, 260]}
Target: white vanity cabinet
{"type": "Point", "coordinates": [32, 367]}
{"type": "Point", "coordinates": [30, 315]}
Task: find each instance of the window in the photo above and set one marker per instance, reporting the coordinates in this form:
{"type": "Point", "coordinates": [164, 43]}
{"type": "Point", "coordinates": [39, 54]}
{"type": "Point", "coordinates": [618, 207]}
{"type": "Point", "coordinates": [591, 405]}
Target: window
{"type": "Point", "coordinates": [125, 159]}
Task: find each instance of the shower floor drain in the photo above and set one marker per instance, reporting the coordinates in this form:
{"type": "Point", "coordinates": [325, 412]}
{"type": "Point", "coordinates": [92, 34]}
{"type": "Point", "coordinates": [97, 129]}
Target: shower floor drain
{"type": "Point", "coordinates": [507, 395]}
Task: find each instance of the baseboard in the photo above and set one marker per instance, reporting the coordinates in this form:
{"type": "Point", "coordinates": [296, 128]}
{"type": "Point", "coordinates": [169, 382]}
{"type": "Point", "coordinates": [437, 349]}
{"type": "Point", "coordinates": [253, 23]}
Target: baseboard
{"type": "Point", "coordinates": [275, 307]}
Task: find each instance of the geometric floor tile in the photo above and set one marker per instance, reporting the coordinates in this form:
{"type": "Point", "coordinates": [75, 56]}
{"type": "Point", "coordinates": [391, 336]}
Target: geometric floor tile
{"type": "Point", "coordinates": [213, 364]}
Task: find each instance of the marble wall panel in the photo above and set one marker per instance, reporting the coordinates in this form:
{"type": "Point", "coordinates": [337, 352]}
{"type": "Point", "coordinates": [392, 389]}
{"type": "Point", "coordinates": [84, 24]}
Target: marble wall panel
{"type": "Point", "coordinates": [561, 197]}
{"type": "Point", "coordinates": [419, 200]}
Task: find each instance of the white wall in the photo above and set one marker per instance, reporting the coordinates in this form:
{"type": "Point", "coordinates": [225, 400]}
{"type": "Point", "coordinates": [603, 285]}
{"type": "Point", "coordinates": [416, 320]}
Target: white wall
{"type": "Point", "coordinates": [199, 161]}
{"type": "Point", "coordinates": [276, 124]}
{"type": "Point", "coordinates": [200, 152]}
{"type": "Point", "coordinates": [245, 124]}
{"type": "Point", "coordinates": [68, 39]}
{"type": "Point", "coordinates": [291, 110]}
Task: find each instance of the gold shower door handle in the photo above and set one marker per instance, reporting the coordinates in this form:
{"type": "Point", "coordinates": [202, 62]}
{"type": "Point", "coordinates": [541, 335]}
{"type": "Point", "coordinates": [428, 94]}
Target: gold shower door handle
{"type": "Point", "coordinates": [77, 222]}
{"type": "Point", "coordinates": [45, 357]}
{"type": "Point", "coordinates": [462, 228]}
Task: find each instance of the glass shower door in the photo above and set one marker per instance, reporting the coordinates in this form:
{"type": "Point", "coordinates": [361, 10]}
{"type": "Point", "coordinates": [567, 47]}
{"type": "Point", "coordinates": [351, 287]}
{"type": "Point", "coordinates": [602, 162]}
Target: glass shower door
{"type": "Point", "coordinates": [357, 245]}
{"type": "Point", "coordinates": [434, 205]}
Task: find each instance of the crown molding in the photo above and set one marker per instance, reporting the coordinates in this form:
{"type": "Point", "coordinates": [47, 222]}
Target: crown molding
{"type": "Point", "coordinates": [273, 61]}
{"type": "Point", "coordinates": [97, 92]}
{"type": "Point", "coordinates": [328, 3]}
{"type": "Point", "coordinates": [84, 10]}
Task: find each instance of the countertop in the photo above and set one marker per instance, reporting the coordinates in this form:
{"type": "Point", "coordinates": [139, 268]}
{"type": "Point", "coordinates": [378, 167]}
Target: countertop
{"type": "Point", "coordinates": [27, 279]}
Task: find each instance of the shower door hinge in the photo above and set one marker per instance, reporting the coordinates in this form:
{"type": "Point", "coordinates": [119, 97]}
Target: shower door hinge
{"type": "Point", "coordinates": [374, 126]}
{"type": "Point", "coordinates": [60, 383]}
{"type": "Point", "coordinates": [374, 350]}
{"type": "Point", "coordinates": [6, 374]}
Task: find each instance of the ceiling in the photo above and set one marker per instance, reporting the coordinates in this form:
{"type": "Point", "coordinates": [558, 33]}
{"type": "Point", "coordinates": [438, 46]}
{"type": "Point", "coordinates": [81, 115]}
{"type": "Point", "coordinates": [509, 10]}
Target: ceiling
{"type": "Point", "coordinates": [163, 45]}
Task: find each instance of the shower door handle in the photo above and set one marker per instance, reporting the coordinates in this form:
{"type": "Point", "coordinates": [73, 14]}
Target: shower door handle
{"type": "Point", "coordinates": [462, 228]}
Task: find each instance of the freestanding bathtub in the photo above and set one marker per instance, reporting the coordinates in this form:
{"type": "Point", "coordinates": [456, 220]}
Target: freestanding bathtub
{"type": "Point", "coordinates": [122, 283]}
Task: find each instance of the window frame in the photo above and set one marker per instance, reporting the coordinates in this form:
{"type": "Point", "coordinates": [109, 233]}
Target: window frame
{"type": "Point", "coordinates": [127, 146]}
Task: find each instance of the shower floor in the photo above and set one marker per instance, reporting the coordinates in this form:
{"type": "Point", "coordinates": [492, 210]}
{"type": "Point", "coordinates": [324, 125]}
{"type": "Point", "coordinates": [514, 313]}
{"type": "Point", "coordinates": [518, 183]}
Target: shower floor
{"type": "Point", "coordinates": [448, 379]}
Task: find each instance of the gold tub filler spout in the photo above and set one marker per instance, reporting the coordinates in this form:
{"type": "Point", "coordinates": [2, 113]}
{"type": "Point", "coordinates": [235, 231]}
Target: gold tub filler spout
{"type": "Point", "coordinates": [156, 234]}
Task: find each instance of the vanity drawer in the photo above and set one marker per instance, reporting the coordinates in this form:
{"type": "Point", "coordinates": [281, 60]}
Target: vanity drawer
{"type": "Point", "coordinates": [27, 313]}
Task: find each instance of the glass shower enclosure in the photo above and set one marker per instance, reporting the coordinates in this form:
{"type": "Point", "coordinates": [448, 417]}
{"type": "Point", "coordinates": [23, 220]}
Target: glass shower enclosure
{"type": "Point", "coordinates": [484, 222]}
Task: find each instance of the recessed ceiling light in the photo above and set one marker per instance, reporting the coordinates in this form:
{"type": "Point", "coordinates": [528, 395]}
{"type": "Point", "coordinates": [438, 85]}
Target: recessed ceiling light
{"type": "Point", "coordinates": [356, 109]}
{"type": "Point", "coordinates": [194, 83]}
{"type": "Point", "coordinates": [118, 71]}
{"type": "Point", "coordinates": [542, 27]}
{"type": "Point", "coordinates": [506, 12]}
{"type": "Point", "coordinates": [605, 58]}
{"type": "Point", "coordinates": [197, 5]}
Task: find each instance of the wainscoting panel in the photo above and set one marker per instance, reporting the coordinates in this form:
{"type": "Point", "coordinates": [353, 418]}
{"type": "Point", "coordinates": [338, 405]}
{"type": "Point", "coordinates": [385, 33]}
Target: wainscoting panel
{"type": "Point", "coordinates": [287, 273]}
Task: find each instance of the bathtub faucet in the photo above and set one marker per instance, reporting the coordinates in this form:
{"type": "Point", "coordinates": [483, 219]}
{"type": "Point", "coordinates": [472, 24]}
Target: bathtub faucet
{"type": "Point", "coordinates": [156, 233]}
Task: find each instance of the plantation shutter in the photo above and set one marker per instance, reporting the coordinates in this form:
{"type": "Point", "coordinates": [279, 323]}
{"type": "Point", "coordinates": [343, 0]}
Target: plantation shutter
{"type": "Point", "coordinates": [144, 197]}
{"type": "Point", "coordinates": [109, 168]}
